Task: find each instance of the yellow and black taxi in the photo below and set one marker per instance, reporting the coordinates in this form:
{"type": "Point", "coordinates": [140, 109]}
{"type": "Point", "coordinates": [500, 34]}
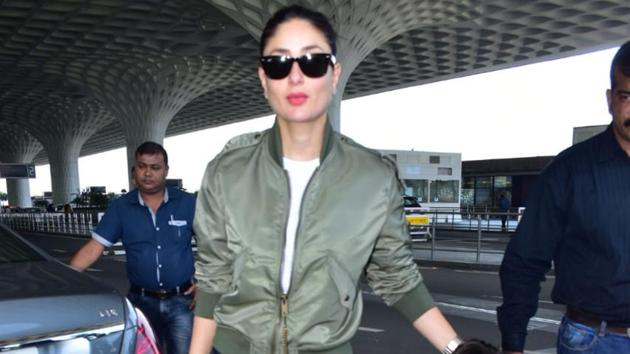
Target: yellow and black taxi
{"type": "Point", "coordinates": [417, 219]}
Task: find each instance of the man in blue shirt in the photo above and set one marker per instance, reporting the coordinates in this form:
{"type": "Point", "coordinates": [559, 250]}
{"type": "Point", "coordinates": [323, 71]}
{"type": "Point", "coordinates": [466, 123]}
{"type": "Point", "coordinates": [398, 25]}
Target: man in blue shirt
{"type": "Point", "coordinates": [154, 223]}
{"type": "Point", "coordinates": [579, 218]}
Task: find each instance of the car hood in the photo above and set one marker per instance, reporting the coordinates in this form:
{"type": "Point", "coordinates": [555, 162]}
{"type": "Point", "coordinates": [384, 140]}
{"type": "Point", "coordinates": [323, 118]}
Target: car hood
{"type": "Point", "coordinates": [46, 298]}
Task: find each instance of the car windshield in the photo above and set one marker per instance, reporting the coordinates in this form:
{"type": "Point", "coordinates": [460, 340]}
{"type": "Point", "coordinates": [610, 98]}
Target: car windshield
{"type": "Point", "coordinates": [411, 202]}
{"type": "Point", "coordinates": [14, 250]}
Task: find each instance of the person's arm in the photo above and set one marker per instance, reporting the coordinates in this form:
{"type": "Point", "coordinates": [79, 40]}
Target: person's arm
{"type": "Point", "coordinates": [107, 232]}
{"type": "Point", "coordinates": [528, 256]}
{"type": "Point", "coordinates": [394, 276]}
{"type": "Point", "coordinates": [435, 328]}
{"type": "Point", "coordinates": [213, 268]}
{"type": "Point", "coordinates": [202, 335]}
{"type": "Point", "coordinates": [520, 286]}
{"type": "Point", "coordinates": [87, 255]}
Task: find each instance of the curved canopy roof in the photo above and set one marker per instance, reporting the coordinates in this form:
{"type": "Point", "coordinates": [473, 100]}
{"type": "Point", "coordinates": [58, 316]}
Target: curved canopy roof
{"type": "Point", "coordinates": [199, 58]}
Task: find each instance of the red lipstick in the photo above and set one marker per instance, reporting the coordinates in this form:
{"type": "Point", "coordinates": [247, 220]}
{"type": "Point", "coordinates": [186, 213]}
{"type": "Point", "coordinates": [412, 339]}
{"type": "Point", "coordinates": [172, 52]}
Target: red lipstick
{"type": "Point", "coordinates": [297, 99]}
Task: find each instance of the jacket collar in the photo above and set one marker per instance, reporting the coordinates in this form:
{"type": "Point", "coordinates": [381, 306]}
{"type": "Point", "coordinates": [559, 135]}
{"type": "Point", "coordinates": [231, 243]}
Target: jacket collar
{"type": "Point", "coordinates": [275, 142]}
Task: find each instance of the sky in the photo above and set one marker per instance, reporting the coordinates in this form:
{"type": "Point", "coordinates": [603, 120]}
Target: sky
{"type": "Point", "coordinates": [518, 112]}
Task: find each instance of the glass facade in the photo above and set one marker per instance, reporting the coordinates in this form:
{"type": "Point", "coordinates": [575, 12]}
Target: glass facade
{"type": "Point", "coordinates": [483, 182]}
{"type": "Point", "coordinates": [502, 185]}
{"type": "Point", "coordinates": [484, 191]}
{"type": "Point", "coordinates": [502, 181]}
{"type": "Point", "coordinates": [434, 191]}
{"type": "Point", "coordinates": [444, 191]}
{"type": "Point", "coordinates": [418, 188]}
{"type": "Point", "coordinates": [468, 191]}
{"type": "Point", "coordinates": [468, 197]}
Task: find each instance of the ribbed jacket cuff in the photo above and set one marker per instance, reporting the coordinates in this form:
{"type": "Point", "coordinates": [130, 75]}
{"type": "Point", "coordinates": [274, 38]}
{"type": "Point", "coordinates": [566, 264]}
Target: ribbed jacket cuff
{"type": "Point", "coordinates": [206, 303]}
{"type": "Point", "coordinates": [414, 303]}
{"type": "Point", "coordinates": [512, 342]}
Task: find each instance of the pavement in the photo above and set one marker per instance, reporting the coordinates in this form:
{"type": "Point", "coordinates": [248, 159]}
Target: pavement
{"type": "Point", "coordinates": [458, 258]}
{"type": "Point", "coordinates": [439, 254]}
{"type": "Point", "coordinates": [459, 246]}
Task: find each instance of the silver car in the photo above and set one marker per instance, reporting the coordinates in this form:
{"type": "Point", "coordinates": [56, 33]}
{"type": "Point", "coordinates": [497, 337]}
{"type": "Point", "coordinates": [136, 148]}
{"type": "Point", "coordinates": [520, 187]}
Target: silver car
{"type": "Point", "coordinates": [47, 307]}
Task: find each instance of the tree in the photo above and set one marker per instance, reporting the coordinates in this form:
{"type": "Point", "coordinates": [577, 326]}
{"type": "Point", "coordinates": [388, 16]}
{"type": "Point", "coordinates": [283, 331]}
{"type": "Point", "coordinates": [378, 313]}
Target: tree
{"type": "Point", "coordinates": [98, 200]}
{"type": "Point", "coordinates": [4, 196]}
{"type": "Point", "coordinates": [40, 203]}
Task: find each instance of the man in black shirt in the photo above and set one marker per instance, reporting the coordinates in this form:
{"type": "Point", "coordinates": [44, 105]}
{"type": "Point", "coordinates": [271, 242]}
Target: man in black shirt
{"type": "Point", "coordinates": [579, 218]}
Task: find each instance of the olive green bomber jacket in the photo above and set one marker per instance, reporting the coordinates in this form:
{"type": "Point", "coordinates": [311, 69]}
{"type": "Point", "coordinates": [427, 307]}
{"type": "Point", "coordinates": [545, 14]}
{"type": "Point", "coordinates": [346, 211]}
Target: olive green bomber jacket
{"type": "Point", "coordinates": [351, 220]}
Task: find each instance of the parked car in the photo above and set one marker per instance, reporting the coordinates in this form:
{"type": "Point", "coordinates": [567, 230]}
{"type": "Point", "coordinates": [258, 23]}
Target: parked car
{"type": "Point", "coordinates": [417, 219]}
{"type": "Point", "coordinates": [19, 210]}
{"type": "Point", "coordinates": [47, 307]}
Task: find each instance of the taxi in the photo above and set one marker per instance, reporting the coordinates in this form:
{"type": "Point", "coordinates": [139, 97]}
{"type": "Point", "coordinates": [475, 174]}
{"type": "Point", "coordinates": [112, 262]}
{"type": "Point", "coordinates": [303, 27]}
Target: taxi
{"type": "Point", "coordinates": [417, 220]}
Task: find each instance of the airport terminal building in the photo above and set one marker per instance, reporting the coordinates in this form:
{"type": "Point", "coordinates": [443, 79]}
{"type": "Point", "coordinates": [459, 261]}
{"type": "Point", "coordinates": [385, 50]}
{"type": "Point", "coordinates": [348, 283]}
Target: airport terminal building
{"type": "Point", "coordinates": [433, 177]}
{"type": "Point", "coordinates": [485, 180]}
{"type": "Point", "coordinates": [443, 180]}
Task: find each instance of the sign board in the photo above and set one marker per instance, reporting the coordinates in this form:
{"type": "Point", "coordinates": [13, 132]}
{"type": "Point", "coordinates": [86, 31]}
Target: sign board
{"type": "Point", "coordinates": [97, 189]}
{"type": "Point", "coordinates": [175, 182]}
{"type": "Point", "coordinates": [17, 170]}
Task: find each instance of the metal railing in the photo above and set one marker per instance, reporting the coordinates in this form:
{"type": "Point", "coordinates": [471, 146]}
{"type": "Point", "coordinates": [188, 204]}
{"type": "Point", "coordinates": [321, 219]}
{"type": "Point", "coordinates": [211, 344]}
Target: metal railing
{"type": "Point", "coordinates": [460, 234]}
{"type": "Point", "coordinates": [467, 235]}
{"type": "Point", "coordinates": [80, 224]}
{"type": "Point", "coordinates": [473, 219]}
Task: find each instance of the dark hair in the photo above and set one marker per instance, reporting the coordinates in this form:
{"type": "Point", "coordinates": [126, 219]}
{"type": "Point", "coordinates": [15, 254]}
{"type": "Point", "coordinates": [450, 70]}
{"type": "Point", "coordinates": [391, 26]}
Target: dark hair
{"type": "Point", "coordinates": [151, 148]}
{"type": "Point", "coordinates": [317, 19]}
{"type": "Point", "coordinates": [621, 61]}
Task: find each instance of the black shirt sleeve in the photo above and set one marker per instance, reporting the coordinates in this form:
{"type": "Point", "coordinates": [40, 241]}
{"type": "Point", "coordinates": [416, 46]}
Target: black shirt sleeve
{"type": "Point", "coordinates": [529, 254]}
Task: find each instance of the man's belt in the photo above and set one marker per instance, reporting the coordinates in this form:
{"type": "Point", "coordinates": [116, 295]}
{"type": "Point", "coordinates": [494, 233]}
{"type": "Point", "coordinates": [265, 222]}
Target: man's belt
{"type": "Point", "coordinates": [161, 294]}
{"type": "Point", "coordinates": [591, 320]}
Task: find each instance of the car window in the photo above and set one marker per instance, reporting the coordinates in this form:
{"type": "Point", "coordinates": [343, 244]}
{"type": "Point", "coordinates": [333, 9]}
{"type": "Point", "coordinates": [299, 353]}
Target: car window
{"type": "Point", "coordinates": [411, 202]}
{"type": "Point", "coordinates": [13, 250]}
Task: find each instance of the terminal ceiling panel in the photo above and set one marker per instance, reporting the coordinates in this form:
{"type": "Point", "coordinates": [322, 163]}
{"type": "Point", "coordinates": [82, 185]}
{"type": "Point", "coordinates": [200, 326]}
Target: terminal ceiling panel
{"type": "Point", "coordinates": [98, 48]}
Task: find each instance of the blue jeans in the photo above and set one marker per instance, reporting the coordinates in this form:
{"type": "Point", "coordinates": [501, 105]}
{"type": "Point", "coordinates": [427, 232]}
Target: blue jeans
{"type": "Point", "coordinates": [171, 320]}
{"type": "Point", "coordinates": [574, 337]}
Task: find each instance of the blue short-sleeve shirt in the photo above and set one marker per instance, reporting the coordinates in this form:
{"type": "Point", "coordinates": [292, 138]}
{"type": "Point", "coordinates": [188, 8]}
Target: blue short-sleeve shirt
{"type": "Point", "coordinates": [158, 247]}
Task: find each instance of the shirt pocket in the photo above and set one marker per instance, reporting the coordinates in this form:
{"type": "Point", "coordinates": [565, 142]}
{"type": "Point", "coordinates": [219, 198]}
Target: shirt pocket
{"type": "Point", "coordinates": [180, 229]}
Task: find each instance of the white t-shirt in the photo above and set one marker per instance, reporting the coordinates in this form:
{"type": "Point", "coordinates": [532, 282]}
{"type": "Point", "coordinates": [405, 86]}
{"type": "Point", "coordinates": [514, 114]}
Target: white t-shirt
{"type": "Point", "coordinates": [300, 173]}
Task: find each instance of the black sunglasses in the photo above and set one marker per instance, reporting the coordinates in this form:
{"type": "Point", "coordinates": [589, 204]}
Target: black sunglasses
{"type": "Point", "coordinates": [312, 65]}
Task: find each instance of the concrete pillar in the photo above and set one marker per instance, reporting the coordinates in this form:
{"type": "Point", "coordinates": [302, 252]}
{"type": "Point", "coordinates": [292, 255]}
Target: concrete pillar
{"type": "Point", "coordinates": [62, 125]}
{"type": "Point", "coordinates": [361, 27]}
{"type": "Point", "coordinates": [334, 110]}
{"type": "Point", "coordinates": [19, 192]}
{"type": "Point", "coordinates": [64, 170]}
{"type": "Point", "coordinates": [148, 93]}
{"type": "Point", "coordinates": [18, 146]}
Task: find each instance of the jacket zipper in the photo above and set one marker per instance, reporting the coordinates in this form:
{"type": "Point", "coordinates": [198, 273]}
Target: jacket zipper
{"type": "Point", "coordinates": [284, 298]}
{"type": "Point", "coordinates": [284, 313]}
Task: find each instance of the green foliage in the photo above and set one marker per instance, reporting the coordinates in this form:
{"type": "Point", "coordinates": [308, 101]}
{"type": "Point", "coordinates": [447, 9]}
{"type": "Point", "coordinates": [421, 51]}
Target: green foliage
{"type": "Point", "coordinates": [93, 199]}
{"type": "Point", "coordinates": [40, 203]}
{"type": "Point", "coordinates": [98, 200]}
{"type": "Point", "coordinates": [4, 196]}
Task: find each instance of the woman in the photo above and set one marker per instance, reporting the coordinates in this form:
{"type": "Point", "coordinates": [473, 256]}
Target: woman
{"type": "Point", "coordinates": [282, 239]}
